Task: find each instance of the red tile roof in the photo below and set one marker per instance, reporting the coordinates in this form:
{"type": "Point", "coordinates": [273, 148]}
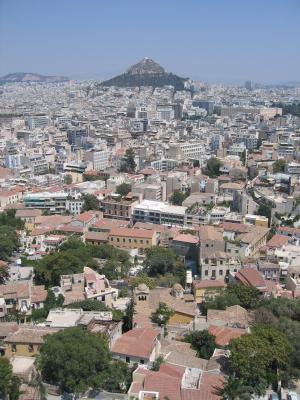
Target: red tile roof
{"type": "Point", "coordinates": [223, 334]}
{"type": "Point", "coordinates": [209, 283]}
{"type": "Point", "coordinates": [138, 342]}
{"type": "Point", "coordinates": [251, 277]}
{"type": "Point", "coordinates": [186, 238]}
{"type": "Point", "coordinates": [132, 232]}
{"type": "Point", "coordinates": [278, 241]}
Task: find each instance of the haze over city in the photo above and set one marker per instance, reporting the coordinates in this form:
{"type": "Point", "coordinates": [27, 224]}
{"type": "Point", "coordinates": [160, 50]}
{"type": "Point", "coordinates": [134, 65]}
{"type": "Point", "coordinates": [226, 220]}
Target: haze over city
{"type": "Point", "coordinates": [223, 41]}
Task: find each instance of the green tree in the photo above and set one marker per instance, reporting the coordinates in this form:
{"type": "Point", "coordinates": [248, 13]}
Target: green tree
{"type": "Point", "coordinates": [68, 179]}
{"type": "Point", "coordinates": [248, 361]}
{"type": "Point", "coordinates": [128, 164]}
{"type": "Point", "coordinates": [3, 275]}
{"type": "Point", "coordinates": [243, 157]}
{"type": "Point", "coordinates": [157, 363]}
{"type": "Point", "coordinates": [52, 266]}
{"type": "Point", "coordinates": [8, 218]}
{"type": "Point", "coordinates": [203, 342]}
{"type": "Point", "coordinates": [248, 296]}
{"type": "Point", "coordinates": [235, 389]}
{"type": "Point", "coordinates": [258, 358]}
{"type": "Point", "coordinates": [51, 302]}
{"type": "Point", "coordinates": [89, 305]}
{"type": "Point", "coordinates": [278, 344]}
{"type": "Point", "coordinates": [279, 165]}
{"type": "Point", "coordinates": [123, 189]}
{"type": "Point", "coordinates": [162, 261]}
{"type": "Point", "coordinates": [90, 202]}
{"type": "Point", "coordinates": [212, 167]}
{"type": "Point", "coordinates": [265, 210]}
{"type": "Point", "coordinates": [9, 383]}
{"type": "Point", "coordinates": [162, 315]}
{"type": "Point", "coordinates": [128, 317]}
{"type": "Point", "coordinates": [9, 242]}
{"type": "Point", "coordinates": [118, 377]}
{"type": "Point", "coordinates": [75, 360]}
{"type": "Point", "coordinates": [177, 197]}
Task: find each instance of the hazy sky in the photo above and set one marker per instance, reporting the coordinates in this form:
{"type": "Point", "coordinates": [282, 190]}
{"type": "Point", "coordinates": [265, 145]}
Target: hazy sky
{"type": "Point", "coordinates": [213, 40]}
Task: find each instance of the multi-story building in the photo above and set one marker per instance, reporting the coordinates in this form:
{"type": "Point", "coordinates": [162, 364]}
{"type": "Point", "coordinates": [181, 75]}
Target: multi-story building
{"type": "Point", "coordinates": [53, 202]}
{"type": "Point", "coordinates": [186, 150]}
{"type": "Point", "coordinates": [77, 138]}
{"type": "Point", "coordinates": [219, 265]}
{"type": "Point", "coordinates": [158, 212]}
{"type": "Point", "coordinates": [150, 191]}
{"type": "Point", "coordinates": [118, 207]}
{"type": "Point", "coordinates": [131, 238]}
{"type": "Point", "coordinates": [98, 158]}
{"type": "Point", "coordinates": [37, 121]}
{"type": "Point", "coordinates": [205, 104]}
{"type": "Point", "coordinates": [165, 164]}
{"type": "Point", "coordinates": [13, 161]}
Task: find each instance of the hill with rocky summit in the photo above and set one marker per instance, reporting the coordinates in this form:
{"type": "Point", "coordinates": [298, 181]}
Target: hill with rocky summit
{"type": "Point", "coordinates": [31, 77]}
{"type": "Point", "coordinates": [146, 73]}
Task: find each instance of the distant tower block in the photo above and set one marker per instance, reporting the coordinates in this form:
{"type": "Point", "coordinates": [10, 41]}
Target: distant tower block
{"type": "Point", "coordinates": [248, 85]}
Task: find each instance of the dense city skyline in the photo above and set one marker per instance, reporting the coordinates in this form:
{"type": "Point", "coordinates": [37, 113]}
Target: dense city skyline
{"type": "Point", "coordinates": [224, 42]}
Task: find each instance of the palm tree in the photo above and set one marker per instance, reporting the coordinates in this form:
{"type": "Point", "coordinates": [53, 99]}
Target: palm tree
{"type": "Point", "coordinates": [235, 389]}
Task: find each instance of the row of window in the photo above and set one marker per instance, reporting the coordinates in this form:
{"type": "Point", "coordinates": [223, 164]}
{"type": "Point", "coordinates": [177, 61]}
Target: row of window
{"type": "Point", "coordinates": [214, 273]}
{"type": "Point", "coordinates": [131, 240]}
{"type": "Point", "coordinates": [29, 348]}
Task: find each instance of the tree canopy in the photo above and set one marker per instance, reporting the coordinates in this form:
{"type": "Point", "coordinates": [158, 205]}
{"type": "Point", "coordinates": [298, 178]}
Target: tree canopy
{"type": "Point", "coordinates": [73, 255]}
{"type": "Point", "coordinates": [203, 342]}
{"type": "Point", "coordinates": [177, 197]}
{"type": "Point", "coordinates": [123, 189]}
{"type": "Point", "coordinates": [212, 167]}
{"type": "Point", "coordinates": [255, 359]}
{"type": "Point", "coordinates": [90, 202]}
{"type": "Point", "coordinates": [279, 165]}
{"type": "Point", "coordinates": [162, 315]}
{"type": "Point", "coordinates": [128, 164]}
{"type": "Point", "coordinates": [162, 261]}
{"type": "Point", "coordinates": [76, 360]}
{"type": "Point", "coordinates": [9, 383]}
{"type": "Point", "coordinates": [234, 294]}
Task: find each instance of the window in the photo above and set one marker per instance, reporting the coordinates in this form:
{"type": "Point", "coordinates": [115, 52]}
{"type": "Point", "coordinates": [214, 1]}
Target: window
{"type": "Point", "coordinates": [30, 348]}
{"type": "Point", "coordinates": [118, 239]}
{"type": "Point", "coordinates": [123, 240]}
{"type": "Point", "coordinates": [221, 272]}
{"type": "Point", "coordinates": [142, 361]}
{"type": "Point", "coordinates": [13, 348]}
{"type": "Point", "coordinates": [206, 273]}
{"type": "Point", "coordinates": [128, 359]}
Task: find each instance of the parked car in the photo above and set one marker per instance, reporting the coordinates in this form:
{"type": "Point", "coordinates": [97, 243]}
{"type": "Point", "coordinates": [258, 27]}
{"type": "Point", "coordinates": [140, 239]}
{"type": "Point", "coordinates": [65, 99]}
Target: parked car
{"type": "Point", "coordinates": [274, 396]}
{"type": "Point", "coordinates": [292, 396]}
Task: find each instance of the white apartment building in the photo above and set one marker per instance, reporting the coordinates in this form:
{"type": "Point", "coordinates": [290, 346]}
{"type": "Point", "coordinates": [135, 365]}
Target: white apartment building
{"type": "Point", "coordinates": [98, 158]}
{"type": "Point", "coordinates": [186, 150]}
{"type": "Point", "coordinates": [165, 164]}
{"type": "Point", "coordinates": [158, 212]}
{"type": "Point", "coordinates": [37, 121]}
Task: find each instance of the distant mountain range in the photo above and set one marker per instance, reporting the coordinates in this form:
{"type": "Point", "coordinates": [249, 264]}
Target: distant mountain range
{"type": "Point", "coordinates": [31, 77]}
{"type": "Point", "coordinates": [146, 73]}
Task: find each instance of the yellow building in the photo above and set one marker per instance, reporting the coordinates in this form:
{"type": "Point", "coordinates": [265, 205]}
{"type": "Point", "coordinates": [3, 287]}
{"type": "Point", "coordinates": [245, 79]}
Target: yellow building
{"type": "Point", "coordinates": [26, 341]}
{"type": "Point", "coordinates": [257, 220]}
{"type": "Point", "coordinates": [203, 288]}
{"type": "Point", "coordinates": [132, 238]}
{"type": "Point", "coordinates": [28, 216]}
